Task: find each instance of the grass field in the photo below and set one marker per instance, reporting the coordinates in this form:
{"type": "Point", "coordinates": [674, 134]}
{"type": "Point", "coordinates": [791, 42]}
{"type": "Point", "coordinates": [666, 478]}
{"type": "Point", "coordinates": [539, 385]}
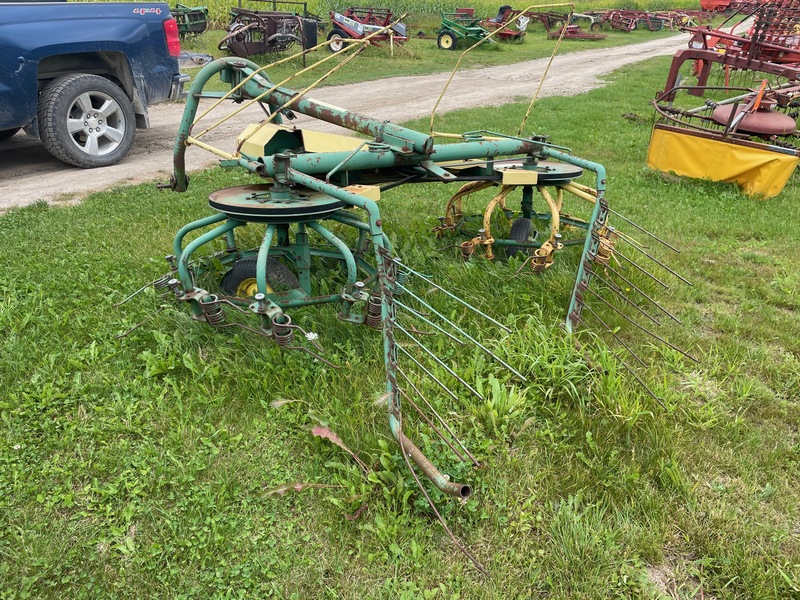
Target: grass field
{"type": "Point", "coordinates": [151, 465]}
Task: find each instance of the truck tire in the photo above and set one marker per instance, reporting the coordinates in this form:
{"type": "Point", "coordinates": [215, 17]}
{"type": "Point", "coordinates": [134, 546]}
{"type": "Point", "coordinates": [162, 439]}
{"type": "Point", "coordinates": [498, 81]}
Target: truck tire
{"type": "Point", "coordinates": [86, 120]}
{"type": "Point", "coordinates": [336, 39]}
{"type": "Point", "coordinates": [8, 133]}
{"type": "Point", "coordinates": [447, 40]}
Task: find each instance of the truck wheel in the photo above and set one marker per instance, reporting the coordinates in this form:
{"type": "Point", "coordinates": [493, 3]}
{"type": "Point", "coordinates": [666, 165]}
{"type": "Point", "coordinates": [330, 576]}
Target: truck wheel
{"type": "Point", "coordinates": [86, 120]}
{"type": "Point", "coordinates": [8, 133]}
{"type": "Point", "coordinates": [336, 39]}
{"type": "Point", "coordinates": [447, 40]}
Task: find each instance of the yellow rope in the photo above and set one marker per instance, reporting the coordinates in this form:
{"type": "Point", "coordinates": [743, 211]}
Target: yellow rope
{"type": "Point", "coordinates": [547, 69]}
{"type": "Point", "coordinates": [490, 36]}
{"type": "Point", "coordinates": [360, 44]}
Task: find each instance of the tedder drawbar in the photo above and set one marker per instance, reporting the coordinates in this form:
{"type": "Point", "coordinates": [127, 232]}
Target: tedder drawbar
{"type": "Point", "coordinates": [314, 198]}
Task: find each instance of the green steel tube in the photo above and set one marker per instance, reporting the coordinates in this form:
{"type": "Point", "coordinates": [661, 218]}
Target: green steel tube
{"type": "Point", "coordinates": [324, 162]}
{"type": "Point", "coordinates": [177, 244]}
{"type": "Point", "coordinates": [261, 260]}
{"type": "Point", "coordinates": [183, 262]}
{"type": "Point", "coordinates": [341, 246]}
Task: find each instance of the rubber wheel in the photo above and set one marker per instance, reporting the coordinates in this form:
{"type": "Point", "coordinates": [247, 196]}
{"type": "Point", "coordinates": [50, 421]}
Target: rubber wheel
{"type": "Point", "coordinates": [240, 280]}
{"type": "Point", "coordinates": [336, 39]}
{"type": "Point", "coordinates": [447, 40]}
{"type": "Point", "coordinates": [86, 120]}
{"type": "Point", "coordinates": [595, 27]}
{"type": "Point", "coordinates": [8, 133]}
{"type": "Point", "coordinates": [521, 231]}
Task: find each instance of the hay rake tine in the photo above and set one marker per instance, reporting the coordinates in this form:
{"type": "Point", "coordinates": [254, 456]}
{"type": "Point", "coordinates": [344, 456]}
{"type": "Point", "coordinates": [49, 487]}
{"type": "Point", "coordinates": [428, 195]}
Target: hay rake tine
{"type": "Point", "coordinates": [614, 335]}
{"type": "Point", "coordinates": [439, 417]}
{"type": "Point", "coordinates": [655, 260]}
{"type": "Point", "coordinates": [633, 372]}
{"type": "Point", "coordinates": [140, 323]}
{"type": "Point", "coordinates": [429, 322]}
{"type": "Point", "coordinates": [633, 285]}
{"type": "Point", "coordinates": [618, 291]}
{"type": "Point", "coordinates": [643, 230]}
{"type": "Point", "coordinates": [462, 332]}
{"type": "Point", "coordinates": [431, 425]}
{"type": "Point", "coordinates": [429, 374]}
{"type": "Point", "coordinates": [158, 284]}
{"type": "Point", "coordinates": [454, 297]}
{"type": "Point", "coordinates": [642, 269]}
{"type": "Point", "coordinates": [635, 324]}
{"type": "Point", "coordinates": [439, 361]}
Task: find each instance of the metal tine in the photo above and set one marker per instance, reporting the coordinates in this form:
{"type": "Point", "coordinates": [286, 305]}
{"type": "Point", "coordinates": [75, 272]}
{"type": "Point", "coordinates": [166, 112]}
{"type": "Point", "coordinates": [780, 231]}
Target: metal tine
{"type": "Point", "coordinates": [429, 322]}
{"type": "Point", "coordinates": [440, 361]}
{"type": "Point", "coordinates": [654, 259]}
{"type": "Point", "coordinates": [618, 291]}
{"type": "Point", "coordinates": [635, 375]}
{"type": "Point", "coordinates": [454, 297]}
{"type": "Point", "coordinates": [438, 416]}
{"type": "Point", "coordinates": [647, 331]}
{"type": "Point", "coordinates": [642, 269]}
{"type": "Point", "coordinates": [431, 425]}
{"type": "Point", "coordinates": [137, 292]}
{"type": "Point", "coordinates": [428, 373]}
{"type": "Point", "coordinates": [615, 336]}
{"type": "Point", "coordinates": [633, 285]}
{"type": "Point", "coordinates": [462, 332]}
{"type": "Point", "coordinates": [643, 230]}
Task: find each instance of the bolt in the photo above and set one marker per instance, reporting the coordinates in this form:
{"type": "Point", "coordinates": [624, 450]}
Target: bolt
{"type": "Point", "coordinates": [175, 286]}
{"type": "Point", "coordinates": [86, 123]}
{"type": "Point", "coordinates": [379, 222]}
{"type": "Point", "coordinates": [259, 298]}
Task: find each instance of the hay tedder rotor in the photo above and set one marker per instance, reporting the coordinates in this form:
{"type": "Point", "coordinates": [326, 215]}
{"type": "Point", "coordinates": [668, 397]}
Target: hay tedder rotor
{"type": "Point", "coordinates": [315, 198]}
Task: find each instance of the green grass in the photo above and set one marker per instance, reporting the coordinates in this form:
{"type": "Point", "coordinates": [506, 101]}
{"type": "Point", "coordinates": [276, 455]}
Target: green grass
{"type": "Point", "coordinates": [139, 467]}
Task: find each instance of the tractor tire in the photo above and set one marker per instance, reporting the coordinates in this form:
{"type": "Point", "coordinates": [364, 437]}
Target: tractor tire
{"type": "Point", "coordinates": [521, 231]}
{"type": "Point", "coordinates": [336, 38]}
{"type": "Point", "coordinates": [595, 26]}
{"type": "Point", "coordinates": [240, 280]}
{"type": "Point", "coordinates": [8, 133]}
{"type": "Point", "coordinates": [447, 40]}
{"type": "Point", "coordinates": [86, 120]}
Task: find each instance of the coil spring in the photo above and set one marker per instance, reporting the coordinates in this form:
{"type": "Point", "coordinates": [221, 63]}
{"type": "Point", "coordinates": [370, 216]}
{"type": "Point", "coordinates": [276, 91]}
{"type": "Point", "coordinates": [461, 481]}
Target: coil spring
{"type": "Point", "coordinates": [212, 311]}
{"type": "Point", "coordinates": [402, 278]}
{"type": "Point", "coordinates": [374, 316]}
{"type": "Point", "coordinates": [538, 263]}
{"type": "Point", "coordinates": [282, 330]}
{"type": "Point", "coordinates": [162, 282]}
{"type": "Point", "coordinates": [607, 242]}
{"type": "Point", "coordinates": [467, 248]}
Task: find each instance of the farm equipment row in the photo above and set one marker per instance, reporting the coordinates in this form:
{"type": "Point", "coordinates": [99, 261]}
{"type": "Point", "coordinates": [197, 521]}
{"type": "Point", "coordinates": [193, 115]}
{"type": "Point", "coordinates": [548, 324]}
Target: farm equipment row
{"type": "Point", "coordinates": [262, 32]}
{"type": "Point", "coordinates": [744, 133]}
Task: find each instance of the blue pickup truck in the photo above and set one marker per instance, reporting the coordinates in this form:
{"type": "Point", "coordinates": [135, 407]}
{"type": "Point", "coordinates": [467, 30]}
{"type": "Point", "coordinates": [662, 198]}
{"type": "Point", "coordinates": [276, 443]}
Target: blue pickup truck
{"type": "Point", "coordinates": [80, 76]}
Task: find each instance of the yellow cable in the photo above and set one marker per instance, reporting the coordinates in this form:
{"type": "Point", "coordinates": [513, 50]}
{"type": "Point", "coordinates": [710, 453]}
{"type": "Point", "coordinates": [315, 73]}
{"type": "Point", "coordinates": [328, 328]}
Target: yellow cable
{"type": "Point", "coordinates": [547, 69]}
{"type": "Point", "coordinates": [494, 33]}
